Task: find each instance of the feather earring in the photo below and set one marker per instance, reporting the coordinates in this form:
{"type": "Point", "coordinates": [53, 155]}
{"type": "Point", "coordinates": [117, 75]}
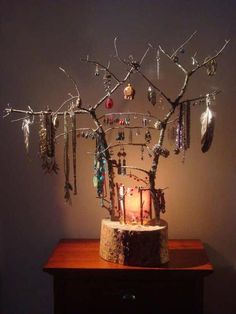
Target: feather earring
{"type": "Point", "coordinates": [208, 125]}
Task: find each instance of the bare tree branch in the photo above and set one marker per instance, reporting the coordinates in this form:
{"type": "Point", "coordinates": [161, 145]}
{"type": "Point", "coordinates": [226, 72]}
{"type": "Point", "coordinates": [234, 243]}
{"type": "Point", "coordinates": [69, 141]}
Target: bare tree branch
{"type": "Point", "coordinates": [184, 44]}
{"type": "Point", "coordinates": [75, 84]}
{"type": "Point", "coordinates": [154, 86]}
{"type": "Point", "coordinates": [106, 68]}
{"type": "Point", "coordinates": [209, 60]}
{"type": "Point", "coordinates": [214, 93]}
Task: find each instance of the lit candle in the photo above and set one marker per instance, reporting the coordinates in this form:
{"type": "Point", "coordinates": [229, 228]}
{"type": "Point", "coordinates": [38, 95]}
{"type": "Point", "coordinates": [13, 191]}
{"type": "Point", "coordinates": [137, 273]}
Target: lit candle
{"type": "Point", "coordinates": [135, 205]}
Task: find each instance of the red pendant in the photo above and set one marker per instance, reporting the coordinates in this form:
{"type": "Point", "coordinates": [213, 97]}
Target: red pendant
{"type": "Point", "coordinates": [109, 103]}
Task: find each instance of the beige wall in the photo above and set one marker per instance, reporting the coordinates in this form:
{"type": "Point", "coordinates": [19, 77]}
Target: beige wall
{"type": "Point", "coordinates": [39, 36]}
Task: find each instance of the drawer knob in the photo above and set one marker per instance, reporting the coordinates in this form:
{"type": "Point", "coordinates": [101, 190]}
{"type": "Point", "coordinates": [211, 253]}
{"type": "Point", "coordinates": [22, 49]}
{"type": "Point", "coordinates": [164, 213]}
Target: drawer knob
{"type": "Point", "coordinates": [129, 296]}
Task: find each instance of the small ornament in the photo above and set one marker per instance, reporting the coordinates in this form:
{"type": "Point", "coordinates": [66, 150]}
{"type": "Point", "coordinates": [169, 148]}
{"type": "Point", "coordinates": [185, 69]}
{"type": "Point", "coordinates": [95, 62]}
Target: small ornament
{"type": "Point", "coordinates": [108, 103]}
{"type": "Point", "coordinates": [121, 166]}
{"type": "Point", "coordinates": [145, 122]}
{"type": "Point", "coordinates": [129, 92]}
{"type": "Point", "coordinates": [120, 136]}
{"type": "Point", "coordinates": [96, 73]}
{"type": "Point", "coordinates": [158, 125]}
{"type": "Point", "coordinates": [148, 136]}
{"type": "Point", "coordinates": [127, 121]}
{"type": "Point", "coordinates": [194, 60]}
{"type": "Point", "coordinates": [175, 59]}
{"type": "Point", "coordinates": [211, 66]}
{"type": "Point", "coordinates": [107, 82]}
{"type": "Point", "coordinates": [142, 151]}
{"type": "Point", "coordinates": [152, 97]}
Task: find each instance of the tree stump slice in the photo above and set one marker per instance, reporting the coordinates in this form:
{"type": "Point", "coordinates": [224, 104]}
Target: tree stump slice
{"type": "Point", "coordinates": [134, 245]}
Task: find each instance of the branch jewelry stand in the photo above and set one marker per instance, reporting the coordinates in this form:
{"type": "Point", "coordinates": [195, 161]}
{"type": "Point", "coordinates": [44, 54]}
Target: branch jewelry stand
{"type": "Point", "coordinates": [135, 234]}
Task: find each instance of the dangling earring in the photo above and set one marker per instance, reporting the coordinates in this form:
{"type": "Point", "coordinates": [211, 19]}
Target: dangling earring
{"type": "Point", "coordinates": [142, 151]}
{"type": "Point", "coordinates": [96, 73]}
{"type": "Point", "coordinates": [148, 136]}
{"type": "Point", "coordinates": [107, 86]}
{"type": "Point", "coordinates": [151, 95]}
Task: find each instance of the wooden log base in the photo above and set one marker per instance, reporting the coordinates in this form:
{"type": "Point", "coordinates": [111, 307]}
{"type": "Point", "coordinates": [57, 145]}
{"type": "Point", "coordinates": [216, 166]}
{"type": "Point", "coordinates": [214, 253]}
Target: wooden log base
{"type": "Point", "coordinates": [134, 245]}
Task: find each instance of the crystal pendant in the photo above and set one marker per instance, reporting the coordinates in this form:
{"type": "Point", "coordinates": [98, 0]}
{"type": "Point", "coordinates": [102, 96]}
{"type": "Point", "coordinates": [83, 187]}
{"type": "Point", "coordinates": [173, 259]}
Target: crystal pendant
{"type": "Point", "coordinates": [152, 97]}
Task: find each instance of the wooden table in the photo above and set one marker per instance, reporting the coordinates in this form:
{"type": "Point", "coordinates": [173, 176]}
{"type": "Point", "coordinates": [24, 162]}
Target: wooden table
{"type": "Point", "coordinates": [85, 283]}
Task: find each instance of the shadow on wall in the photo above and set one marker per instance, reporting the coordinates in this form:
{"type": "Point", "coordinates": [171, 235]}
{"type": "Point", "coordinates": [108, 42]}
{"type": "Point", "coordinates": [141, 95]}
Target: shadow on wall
{"type": "Point", "coordinates": [220, 286]}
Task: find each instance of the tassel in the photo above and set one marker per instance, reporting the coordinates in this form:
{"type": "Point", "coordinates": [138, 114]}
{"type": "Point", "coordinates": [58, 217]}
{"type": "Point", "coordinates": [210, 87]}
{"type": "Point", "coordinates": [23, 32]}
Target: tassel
{"type": "Point", "coordinates": [208, 125]}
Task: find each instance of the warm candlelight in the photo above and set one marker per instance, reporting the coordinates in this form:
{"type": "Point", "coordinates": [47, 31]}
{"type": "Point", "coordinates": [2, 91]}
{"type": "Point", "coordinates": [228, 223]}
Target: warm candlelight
{"type": "Point", "coordinates": [135, 205]}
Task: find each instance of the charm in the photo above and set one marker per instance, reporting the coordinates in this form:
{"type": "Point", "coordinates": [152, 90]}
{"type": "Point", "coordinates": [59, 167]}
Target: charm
{"type": "Point", "coordinates": [158, 125]}
{"type": "Point", "coordinates": [211, 66]}
{"type": "Point", "coordinates": [194, 60]}
{"type": "Point", "coordinates": [152, 97]}
{"type": "Point", "coordinates": [107, 82]}
{"type": "Point", "coordinates": [108, 103]}
{"type": "Point", "coordinates": [127, 121]}
{"type": "Point", "coordinates": [142, 151]}
{"type": "Point", "coordinates": [176, 59]}
{"type": "Point", "coordinates": [121, 166]}
{"type": "Point", "coordinates": [120, 136]}
{"type": "Point", "coordinates": [145, 122]}
{"type": "Point", "coordinates": [129, 92]}
{"type": "Point", "coordinates": [148, 136]}
{"type": "Point", "coordinates": [96, 73]}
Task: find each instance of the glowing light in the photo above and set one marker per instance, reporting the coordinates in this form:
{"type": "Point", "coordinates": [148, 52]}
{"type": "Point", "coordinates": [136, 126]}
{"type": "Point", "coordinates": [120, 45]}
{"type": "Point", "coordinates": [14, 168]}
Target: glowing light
{"type": "Point", "coordinates": [135, 205]}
